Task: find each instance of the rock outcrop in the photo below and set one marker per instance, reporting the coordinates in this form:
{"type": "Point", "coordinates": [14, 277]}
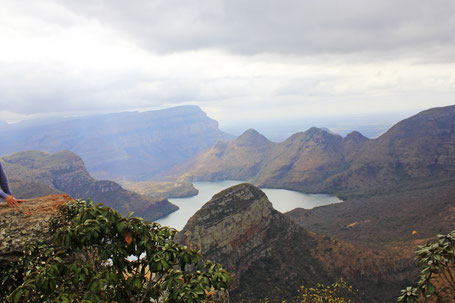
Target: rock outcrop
{"type": "Point", "coordinates": [27, 222]}
{"type": "Point", "coordinates": [271, 256]}
{"type": "Point", "coordinates": [239, 228]}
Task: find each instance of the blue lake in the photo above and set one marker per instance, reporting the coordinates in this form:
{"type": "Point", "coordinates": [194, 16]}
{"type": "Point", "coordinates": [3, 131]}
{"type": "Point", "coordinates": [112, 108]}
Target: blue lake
{"type": "Point", "coordinates": [283, 200]}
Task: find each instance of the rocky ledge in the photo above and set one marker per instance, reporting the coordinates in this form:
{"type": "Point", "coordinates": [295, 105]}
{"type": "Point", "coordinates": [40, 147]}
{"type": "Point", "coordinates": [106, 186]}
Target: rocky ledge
{"type": "Point", "coordinates": [26, 222]}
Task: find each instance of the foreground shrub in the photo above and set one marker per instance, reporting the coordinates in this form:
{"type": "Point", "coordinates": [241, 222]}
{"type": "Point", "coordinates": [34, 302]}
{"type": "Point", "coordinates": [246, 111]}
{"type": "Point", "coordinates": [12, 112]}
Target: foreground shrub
{"type": "Point", "coordinates": [436, 263]}
{"type": "Point", "coordinates": [338, 292]}
{"type": "Point", "coordinates": [100, 256]}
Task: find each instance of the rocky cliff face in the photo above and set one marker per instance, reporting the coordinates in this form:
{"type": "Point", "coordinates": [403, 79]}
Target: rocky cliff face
{"type": "Point", "coordinates": [239, 228]}
{"type": "Point", "coordinates": [131, 145]}
{"type": "Point", "coordinates": [34, 173]}
{"type": "Point", "coordinates": [25, 223]}
{"type": "Point", "coordinates": [271, 256]}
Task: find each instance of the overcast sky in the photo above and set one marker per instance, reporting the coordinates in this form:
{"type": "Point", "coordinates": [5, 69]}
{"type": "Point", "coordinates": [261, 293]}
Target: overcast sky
{"type": "Point", "coordinates": [237, 59]}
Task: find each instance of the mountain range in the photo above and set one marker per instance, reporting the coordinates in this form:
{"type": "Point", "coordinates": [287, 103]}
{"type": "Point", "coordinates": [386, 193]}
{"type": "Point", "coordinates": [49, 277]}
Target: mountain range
{"type": "Point", "coordinates": [398, 189]}
{"type": "Point", "coordinates": [398, 192]}
{"type": "Point", "coordinates": [416, 149]}
{"type": "Point", "coordinates": [36, 173]}
{"type": "Point", "coordinates": [129, 145]}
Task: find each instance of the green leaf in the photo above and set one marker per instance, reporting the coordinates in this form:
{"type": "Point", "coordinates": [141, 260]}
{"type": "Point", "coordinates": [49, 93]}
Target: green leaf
{"type": "Point", "coordinates": [17, 296]}
{"type": "Point", "coordinates": [431, 289]}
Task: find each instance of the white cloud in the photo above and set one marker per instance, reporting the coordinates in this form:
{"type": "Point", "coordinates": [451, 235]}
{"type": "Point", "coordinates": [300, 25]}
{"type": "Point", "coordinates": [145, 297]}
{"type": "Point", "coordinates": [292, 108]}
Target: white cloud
{"type": "Point", "coordinates": [235, 59]}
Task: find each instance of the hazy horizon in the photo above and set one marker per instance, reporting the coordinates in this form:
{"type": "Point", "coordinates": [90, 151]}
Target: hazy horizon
{"type": "Point", "coordinates": [278, 129]}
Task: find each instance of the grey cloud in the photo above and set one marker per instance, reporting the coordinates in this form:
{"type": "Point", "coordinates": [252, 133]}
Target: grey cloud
{"type": "Point", "coordinates": [287, 38]}
{"type": "Point", "coordinates": [286, 26]}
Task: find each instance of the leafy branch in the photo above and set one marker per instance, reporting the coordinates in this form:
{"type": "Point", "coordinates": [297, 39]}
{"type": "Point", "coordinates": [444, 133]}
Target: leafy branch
{"type": "Point", "coordinates": [99, 256]}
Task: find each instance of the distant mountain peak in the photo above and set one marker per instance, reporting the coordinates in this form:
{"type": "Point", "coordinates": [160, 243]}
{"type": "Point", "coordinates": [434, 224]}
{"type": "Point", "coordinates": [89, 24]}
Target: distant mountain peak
{"type": "Point", "coordinates": [437, 111]}
{"type": "Point", "coordinates": [313, 133]}
{"type": "Point", "coordinates": [252, 138]}
{"type": "Point", "coordinates": [251, 132]}
{"type": "Point", "coordinates": [179, 110]}
{"type": "Point", "coordinates": [355, 136]}
{"type": "Point", "coordinates": [320, 131]}
{"type": "Point", "coordinates": [314, 130]}
{"type": "Point", "coordinates": [425, 121]}
{"type": "Point", "coordinates": [329, 131]}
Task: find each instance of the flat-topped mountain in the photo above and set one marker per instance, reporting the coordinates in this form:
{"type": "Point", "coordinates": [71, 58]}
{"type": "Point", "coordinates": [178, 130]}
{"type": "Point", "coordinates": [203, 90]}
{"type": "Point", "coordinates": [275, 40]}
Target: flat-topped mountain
{"type": "Point", "coordinates": [317, 161]}
{"type": "Point", "coordinates": [36, 173]}
{"type": "Point", "coordinates": [272, 257]}
{"type": "Point", "coordinates": [128, 145]}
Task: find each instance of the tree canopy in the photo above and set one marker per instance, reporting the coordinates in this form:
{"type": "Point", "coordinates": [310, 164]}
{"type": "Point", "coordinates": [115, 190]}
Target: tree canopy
{"type": "Point", "coordinates": [97, 255]}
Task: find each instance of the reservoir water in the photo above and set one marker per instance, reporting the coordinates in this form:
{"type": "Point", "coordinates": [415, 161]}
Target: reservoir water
{"type": "Point", "coordinates": [283, 200]}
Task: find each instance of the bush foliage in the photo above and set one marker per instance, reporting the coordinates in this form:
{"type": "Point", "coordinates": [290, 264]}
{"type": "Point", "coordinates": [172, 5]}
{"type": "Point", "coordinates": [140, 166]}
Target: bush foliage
{"type": "Point", "coordinates": [436, 263]}
{"type": "Point", "coordinates": [97, 255]}
{"type": "Point", "coordinates": [338, 292]}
